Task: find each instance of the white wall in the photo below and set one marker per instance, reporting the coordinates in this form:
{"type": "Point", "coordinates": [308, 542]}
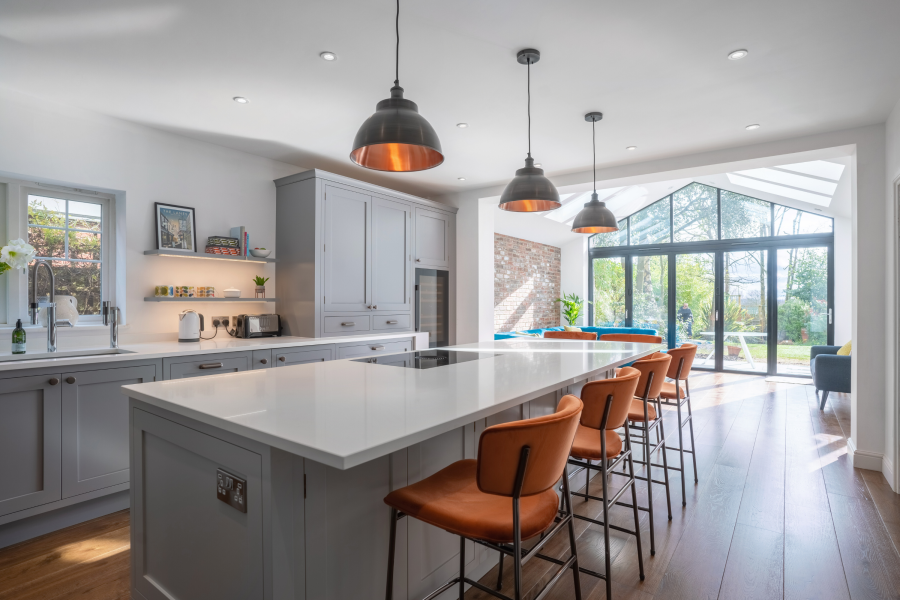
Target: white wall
{"type": "Point", "coordinates": [891, 463]}
{"type": "Point", "coordinates": [45, 141]}
{"type": "Point", "coordinates": [872, 324]}
{"type": "Point", "coordinates": [574, 272]}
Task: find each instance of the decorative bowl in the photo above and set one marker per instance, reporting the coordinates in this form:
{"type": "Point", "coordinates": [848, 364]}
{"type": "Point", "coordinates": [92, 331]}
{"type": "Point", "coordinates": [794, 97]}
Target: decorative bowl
{"type": "Point", "coordinates": [232, 293]}
{"type": "Point", "coordinates": [259, 253]}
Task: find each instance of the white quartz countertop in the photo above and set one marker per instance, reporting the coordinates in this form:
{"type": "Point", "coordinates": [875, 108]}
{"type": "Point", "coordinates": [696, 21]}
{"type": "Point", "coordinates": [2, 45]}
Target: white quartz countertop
{"type": "Point", "coordinates": [173, 349]}
{"type": "Point", "coordinates": [344, 413]}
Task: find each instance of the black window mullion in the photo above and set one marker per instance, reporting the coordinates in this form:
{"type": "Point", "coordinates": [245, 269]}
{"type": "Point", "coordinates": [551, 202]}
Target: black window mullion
{"type": "Point", "coordinates": [719, 212]}
{"type": "Point", "coordinates": [772, 311]}
{"type": "Point", "coordinates": [672, 302]}
{"type": "Point", "coordinates": [671, 219]}
{"type": "Point", "coordinates": [629, 310]}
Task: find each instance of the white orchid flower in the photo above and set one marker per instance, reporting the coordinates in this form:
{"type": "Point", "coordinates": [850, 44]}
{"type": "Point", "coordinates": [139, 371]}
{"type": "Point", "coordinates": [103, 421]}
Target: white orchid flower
{"type": "Point", "coordinates": [18, 254]}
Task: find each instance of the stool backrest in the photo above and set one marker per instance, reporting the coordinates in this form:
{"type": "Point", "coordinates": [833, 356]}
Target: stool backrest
{"type": "Point", "coordinates": [595, 393]}
{"type": "Point", "coordinates": [549, 439]}
{"type": "Point", "coordinates": [640, 338]}
{"type": "Point", "coordinates": [571, 335]}
{"type": "Point", "coordinates": [687, 352]}
{"type": "Point", "coordinates": [658, 364]}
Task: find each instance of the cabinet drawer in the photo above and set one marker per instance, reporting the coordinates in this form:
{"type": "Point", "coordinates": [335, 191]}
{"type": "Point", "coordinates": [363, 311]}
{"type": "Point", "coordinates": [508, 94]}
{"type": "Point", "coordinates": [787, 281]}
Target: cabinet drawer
{"type": "Point", "coordinates": [209, 364]}
{"type": "Point", "coordinates": [390, 322]}
{"type": "Point", "coordinates": [262, 359]}
{"type": "Point", "coordinates": [302, 357]}
{"type": "Point", "coordinates": [374, 349]}
{"type": "Point", "coordinates": [346, 324]}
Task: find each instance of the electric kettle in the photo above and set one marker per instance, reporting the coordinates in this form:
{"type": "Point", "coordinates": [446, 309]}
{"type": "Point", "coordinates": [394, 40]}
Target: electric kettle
{"type": "Point", "coordinates": [190, 324]}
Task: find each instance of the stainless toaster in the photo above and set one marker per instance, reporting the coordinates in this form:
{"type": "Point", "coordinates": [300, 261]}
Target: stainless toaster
{"type": "Point", "coordinates": [253, 326]}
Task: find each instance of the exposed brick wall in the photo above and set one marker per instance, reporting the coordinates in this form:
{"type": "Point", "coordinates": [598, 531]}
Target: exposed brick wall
{"type": "Point", "coordinates": [526, 283]}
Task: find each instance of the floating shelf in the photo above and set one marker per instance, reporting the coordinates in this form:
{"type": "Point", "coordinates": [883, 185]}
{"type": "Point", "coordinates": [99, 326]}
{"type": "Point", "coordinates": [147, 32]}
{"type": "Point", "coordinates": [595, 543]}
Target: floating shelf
{"type": "Point", "coordinates": [171, 299]}
{"type": "Point", "coordinates": [206, 256]}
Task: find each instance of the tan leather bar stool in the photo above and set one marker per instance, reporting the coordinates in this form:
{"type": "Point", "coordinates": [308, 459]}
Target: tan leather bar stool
{"type": "Point", "coordinates": [673, 394]}
{"type": "Point", "coordinates": [638, 338]}
{"type": "Point", "coordinates": [607, 403]}
{"type": "Point", "coordinates": [645, 416]}
{"type": "Point", "coordinates": [571, 335]}
{"type": "Point", "coordinates": [502, 499]}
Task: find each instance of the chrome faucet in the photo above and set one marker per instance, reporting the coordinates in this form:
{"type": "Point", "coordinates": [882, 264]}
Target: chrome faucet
{"type": "Point", "coordinates": [111, 317]}
{"type": "Point", "coordinates": [50, 306]}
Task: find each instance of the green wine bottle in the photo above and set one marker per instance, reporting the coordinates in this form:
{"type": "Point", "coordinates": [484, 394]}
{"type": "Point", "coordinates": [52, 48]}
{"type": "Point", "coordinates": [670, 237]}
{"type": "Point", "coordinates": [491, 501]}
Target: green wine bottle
{"type": "Point", "coordinates": [18, 339]}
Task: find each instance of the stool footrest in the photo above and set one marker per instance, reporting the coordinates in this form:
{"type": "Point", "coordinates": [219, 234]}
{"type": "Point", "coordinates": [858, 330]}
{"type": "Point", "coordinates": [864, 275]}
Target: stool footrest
{"type": "Point", "coordinates": [600, 523]}
{"type": "Point", "coordinates": [679, 449]}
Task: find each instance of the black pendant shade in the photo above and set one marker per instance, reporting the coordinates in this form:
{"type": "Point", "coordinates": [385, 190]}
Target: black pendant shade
{"type": "Point", "coordinates": [530, 190]}
{"type": "Point", "coordinates": [397, 138]}
{"type": "Point", "coordinates": [594, 217]}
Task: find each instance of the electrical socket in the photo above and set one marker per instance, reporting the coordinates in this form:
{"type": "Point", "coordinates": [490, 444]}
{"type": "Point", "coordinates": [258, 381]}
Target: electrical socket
{"type": "Point", "coordinates": [223, 321]}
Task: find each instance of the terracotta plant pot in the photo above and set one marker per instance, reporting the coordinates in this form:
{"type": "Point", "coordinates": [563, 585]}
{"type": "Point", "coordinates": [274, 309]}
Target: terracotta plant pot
{"type": "Point", "coordinates": [734, 350]}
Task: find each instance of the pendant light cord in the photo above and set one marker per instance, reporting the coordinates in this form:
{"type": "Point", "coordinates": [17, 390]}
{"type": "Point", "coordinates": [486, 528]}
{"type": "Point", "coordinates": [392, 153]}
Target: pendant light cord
{"type": "Point", "coordinates": [529, 106]}
{"type": "Point", "coordinates": [594, 140]}
{"type": "Point", "coordinates": [397, 52]}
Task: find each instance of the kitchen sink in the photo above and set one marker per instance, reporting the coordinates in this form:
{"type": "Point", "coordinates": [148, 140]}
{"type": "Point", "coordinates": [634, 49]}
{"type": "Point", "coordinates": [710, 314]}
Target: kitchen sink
{"type": "Point", "coordinates": [87, 352]}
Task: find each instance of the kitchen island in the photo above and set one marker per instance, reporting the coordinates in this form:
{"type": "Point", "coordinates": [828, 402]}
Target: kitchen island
{"type": "Point", "coordinates": [269, 484]}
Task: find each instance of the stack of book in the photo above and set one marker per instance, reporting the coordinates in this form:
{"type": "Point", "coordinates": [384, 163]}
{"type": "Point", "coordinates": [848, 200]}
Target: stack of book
{"type": "Point", "coordinates": [230, 246]}
{"type": "Point", "coordinates": [243, 239]}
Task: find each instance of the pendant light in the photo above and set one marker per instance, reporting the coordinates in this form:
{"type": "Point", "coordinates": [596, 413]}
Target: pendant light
{"type": "Point", "coordinates": [595, 217]}
{"type": "Point", "coordinates": [529, 191]}
{"type": "Point", "coordinates": [397, 138]}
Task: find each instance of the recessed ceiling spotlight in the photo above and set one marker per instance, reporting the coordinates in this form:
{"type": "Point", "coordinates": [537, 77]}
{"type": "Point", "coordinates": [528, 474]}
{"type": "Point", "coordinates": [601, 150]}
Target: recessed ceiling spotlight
{"type": "Point", "coordinates": [328, 56]}
{"type": "Point", "coordinates": [462, 125]}
{"type": "Point", "coordinates": [631, 148]}
{"type": "Point", "coordinates": [737, 54]}
{"type": "Point", "coordinates": [241, 100]}
{"type": "Point", "coordinates": [461, 178]}
{"type": "Point", "coordinates": [752, 127]}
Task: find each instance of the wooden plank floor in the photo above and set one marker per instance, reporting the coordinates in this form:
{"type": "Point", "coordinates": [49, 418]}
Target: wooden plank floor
{"type": "Point", "coordinates": [778, 513]}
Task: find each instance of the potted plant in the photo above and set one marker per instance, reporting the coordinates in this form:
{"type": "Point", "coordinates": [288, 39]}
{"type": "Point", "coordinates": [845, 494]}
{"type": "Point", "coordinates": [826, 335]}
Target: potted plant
{"type": "Point", "coordinates": [260, 286]}
{"type": "Point", "coordinates": [571, 307]}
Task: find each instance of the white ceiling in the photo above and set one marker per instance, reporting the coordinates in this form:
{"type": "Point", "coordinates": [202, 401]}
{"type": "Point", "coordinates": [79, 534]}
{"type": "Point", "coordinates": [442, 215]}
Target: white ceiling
{"type": "Point", "coordinates": [657, 70]}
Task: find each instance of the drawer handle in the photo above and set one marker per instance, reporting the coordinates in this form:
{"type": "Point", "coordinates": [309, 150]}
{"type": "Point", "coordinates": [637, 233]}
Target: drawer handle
{"type": "Point", "coordinates": [212, 366]}
{"type": "Point", "coordinates": [70, 380]}
{"type": "Point", "coordinates": [53, 381]}
{"type": "Point", "coordinates": [348, 324]}
{"type": "Point", "coordinates": [377, 347]}
{"type": "Point", "coordinates": [282, 358]}
{"type": "Point", "coordinates": [392, 322]}
{"type": "Point", "coordinates": [374, 307]}
{"type": "Point", "coordinates": [418, 260]}
{"type": "Point", "coordinates": [264, 361]}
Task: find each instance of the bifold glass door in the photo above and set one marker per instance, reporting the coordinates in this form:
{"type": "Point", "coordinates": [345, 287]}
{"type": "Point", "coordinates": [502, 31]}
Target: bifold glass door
{"type": "Point", "coordinates": [749, 307]}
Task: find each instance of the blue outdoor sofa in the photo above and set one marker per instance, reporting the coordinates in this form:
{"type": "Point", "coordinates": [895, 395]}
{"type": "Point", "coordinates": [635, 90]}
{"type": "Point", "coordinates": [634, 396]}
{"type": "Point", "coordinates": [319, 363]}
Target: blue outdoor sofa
{"type": "Point", "coordinates": [598, 330]}
{"type": "Point", "coordinates": [830, 372]}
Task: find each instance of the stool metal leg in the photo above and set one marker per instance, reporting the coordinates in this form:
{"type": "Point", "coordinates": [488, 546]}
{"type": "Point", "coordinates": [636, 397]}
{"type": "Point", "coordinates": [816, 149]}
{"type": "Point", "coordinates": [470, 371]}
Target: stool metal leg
{"type": "Point", "coordinates": [606, 549]}
{"type": "Point", "coordinates": [500, 573]}
{"type": "Point", "coordinates": [680, 443]}
{"type": "Point", "coordinates": [576, 573]}
{"type": "Point", "coordinates": [661, 431]}
{"type": "Point", "coordinates": [646, 443]}
{"type": "Point", "coordinates": [389, 593]}
{"type": "Point", "coordinates": [462, 568]}
{"type": "Point", "coordinates": [634, 505]}
{"type": "Point", "coordinates": [517, 551]}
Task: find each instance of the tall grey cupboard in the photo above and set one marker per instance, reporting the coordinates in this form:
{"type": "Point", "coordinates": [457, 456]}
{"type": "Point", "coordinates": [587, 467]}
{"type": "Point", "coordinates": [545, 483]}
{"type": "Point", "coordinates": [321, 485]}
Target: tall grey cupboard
{"type": "Point", "coordinates": [347, 252]}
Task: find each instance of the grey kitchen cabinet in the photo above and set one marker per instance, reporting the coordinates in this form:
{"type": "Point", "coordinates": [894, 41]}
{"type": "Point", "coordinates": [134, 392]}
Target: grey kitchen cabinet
{"type": "Point", "coordinates": [174, 483]}
{"type": "Point", "coordinates": [262, 359]}
{"type": "Point", "coordinates": [346, 255]}
{"type": "Point", "coordinates": [348, 249]}
{"type": "Point", "coordinates": [95, 427]}
{"type": "Point", "coordinates": [285, 358]}
{"type": "Point", "coordinates": [432, 238]}
{"type": "Point", "coordinates": [205, 364]}
{"type": "Point", "coordinates": [374, 348]}
{"type": "Point", "coordinates": [30, 416]}
{"type": "Point", "coordinates": [391, 269]}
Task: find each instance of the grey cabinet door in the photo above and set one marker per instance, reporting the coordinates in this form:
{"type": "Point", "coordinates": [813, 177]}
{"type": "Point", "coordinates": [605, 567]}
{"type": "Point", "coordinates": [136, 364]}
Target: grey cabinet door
{"type": "Point", "coordinates": [29, 442]}
{"type": "Point", "coordinates": [432, 243]}
{"type": "Point", "coordinates": [209, 364]}
{"type": "Point", "coordinates": [374, 349]}
{"type": "Point", "coordinates": [391, 288]}
{"type": "Point", "coordinates": [302, 357]}
{"type": "Point", "coordinates": [346, 257]}
{"type": "Point", "coordinates": [95, 427]}
{"type": "Point", "coordinates": [262, 359]}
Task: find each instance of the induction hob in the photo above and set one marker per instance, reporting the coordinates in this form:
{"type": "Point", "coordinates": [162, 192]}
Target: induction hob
{"type": "Point", "coordinates": [426, 359]}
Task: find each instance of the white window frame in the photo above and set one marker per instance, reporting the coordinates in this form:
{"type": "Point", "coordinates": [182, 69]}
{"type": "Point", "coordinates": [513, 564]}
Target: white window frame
{"type": "Point", "coordinates": [16, 213]}
{"type": "Point", "coordinates": [105, 203]}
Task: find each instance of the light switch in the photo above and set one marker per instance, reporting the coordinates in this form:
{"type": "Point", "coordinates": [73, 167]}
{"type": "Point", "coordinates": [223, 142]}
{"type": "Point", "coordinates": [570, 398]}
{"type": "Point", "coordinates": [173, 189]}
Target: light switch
{"type": "Point", "coordinates": [231, 490]}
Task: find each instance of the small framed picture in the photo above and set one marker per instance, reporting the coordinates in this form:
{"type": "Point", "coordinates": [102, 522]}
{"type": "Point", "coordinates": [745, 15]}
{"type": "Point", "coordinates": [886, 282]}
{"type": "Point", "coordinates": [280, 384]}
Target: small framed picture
{"type": "Point", "coordinates": [175, 228]}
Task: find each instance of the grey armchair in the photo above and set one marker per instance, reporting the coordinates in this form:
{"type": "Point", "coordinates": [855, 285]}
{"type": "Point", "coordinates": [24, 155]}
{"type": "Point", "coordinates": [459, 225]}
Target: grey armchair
{"type": "Point", "coordinates": [830, 372]}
